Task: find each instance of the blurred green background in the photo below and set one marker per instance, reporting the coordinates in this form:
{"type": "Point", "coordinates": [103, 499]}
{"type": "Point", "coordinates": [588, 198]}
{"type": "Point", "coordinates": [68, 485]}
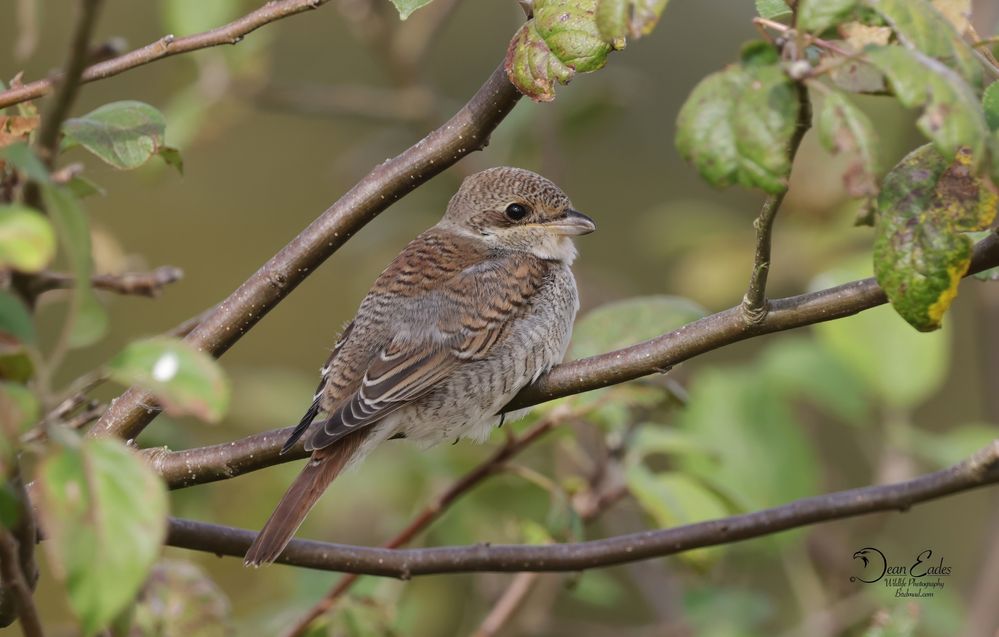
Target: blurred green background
{"type": "Point", "coordinates": [275, 129]}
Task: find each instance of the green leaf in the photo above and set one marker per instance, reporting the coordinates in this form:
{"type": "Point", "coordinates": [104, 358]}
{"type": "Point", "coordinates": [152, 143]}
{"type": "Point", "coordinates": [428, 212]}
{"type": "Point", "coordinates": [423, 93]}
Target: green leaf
{"type": "Point", "coordinates": [561, 40]}
{"type": "Point", "coordinates": [952, 116]}
{"type": "Point", "coordinates": [82, 187]}
{"type": "Point", "coordinates": [818, 15]}
{"type": "Point", "coordinates": [26, 161]}
{"type": "Point", "coordinates": [622, 323]}
{"type": "Point", "coordinates": [758, 455]}
{"type": "Point", "coordinates": [180, 600]}
{"type": "Point", "coordinates": [844, 128]}
{"type": "Point", "coordinates": [990, 103]}
{"type": "Point", "coordinates": [16, 323]}
{"type": "Point", "coordinates": [184, 379]}
{"type": "Point", "coordinates": [27, 242]}
{"type": "Point", "coordinates": [104, 513]}
{"type": "Point", "coordinates": [737, 124]}
{"type": "Point", "coordinates": [772, 9]}
{"type": "Point", "coordinates": [91, 321]}
{"type": "Point", "coordinates": [920, 26]}
{"type": "Point", "coordinates": [618, 20]}
{"type": "Point", "coordinates": [801, 369]}
{"type": "Point", "coordinates": [123, 134]}
{"type": "Point", "coordinates": [901, 366]}
{"type": "Point", "coordinates": [407, 7]}
{"type": "Point", "coordinates": [921, 252]}
{"type": "Point", "coordinates": [674, 499]}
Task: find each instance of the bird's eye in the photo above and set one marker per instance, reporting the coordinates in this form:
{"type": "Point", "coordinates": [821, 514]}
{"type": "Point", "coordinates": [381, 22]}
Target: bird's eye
{"type": "Point", "coordinates": [516, 211]}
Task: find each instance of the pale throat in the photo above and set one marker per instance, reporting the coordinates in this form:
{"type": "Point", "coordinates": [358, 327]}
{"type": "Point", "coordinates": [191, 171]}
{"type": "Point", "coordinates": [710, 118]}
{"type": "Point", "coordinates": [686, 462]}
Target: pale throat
{"type": "Point", "coordinates": [555, 248]}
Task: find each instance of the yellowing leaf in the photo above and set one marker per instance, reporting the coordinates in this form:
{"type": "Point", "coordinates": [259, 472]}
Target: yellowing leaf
{"type": "Point", "coordinates": [27, 242]}
{"type": "Point", "coordinates": [927, 204]}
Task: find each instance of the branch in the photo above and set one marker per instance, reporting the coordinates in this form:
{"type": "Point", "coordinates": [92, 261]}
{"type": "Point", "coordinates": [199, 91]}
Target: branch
{"type": "Point", "coordinates": [432, 511]}
{"type": "Point", "coordinates": [149, 284]}
{"type": "Point", "coordinates": [508, 604]}
{"type": "Point", "coordinates": [167, 46]}
{"type": "Point", "coordinates": [467, 131]}
{"type": "Point", "coordinates": [754, 303]}
{"type": "Point", "coordinates": [69, 82]}
{"type": "Point", "coordinates": [979, 470]}
{"type": "Point", "coordinates": [228, 460]}
{"type": "Point", "coordinates": [16, 584]}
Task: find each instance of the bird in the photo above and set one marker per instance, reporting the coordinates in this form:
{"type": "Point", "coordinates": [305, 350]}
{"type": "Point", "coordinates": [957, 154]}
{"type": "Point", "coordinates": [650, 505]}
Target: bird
{"type": "Point", "coordinates": [469, 313]}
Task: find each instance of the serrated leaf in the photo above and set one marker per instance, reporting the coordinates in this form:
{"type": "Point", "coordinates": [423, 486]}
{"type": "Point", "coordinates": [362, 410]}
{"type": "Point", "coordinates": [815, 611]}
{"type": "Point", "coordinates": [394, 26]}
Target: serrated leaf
{"type": "Point", "coordinates": [90, 320]}
{"type": "Point", "coordinates": [921, 27]}
{"type": "Point", "coordinates": [104, 514]}
{"type": "Point", "coordinates": [737, 124]}
{"type": "Point", "coordinates": [622, 323]}
{"type": "Point", "coordinates": [184, 379]}
{"type": "Point", "coordinates": [407, 7]}
{"type": "Point", "coordinates": [772, 9]}
{"type": "Point", "coordinates": [123, 134]}
{"type": "Point", "coordinates": [901, 366]}
{"type": "Point", "coordinates": [16, 324]}
{"type": "Point", "coordinates": [951, 116]}
{"type": "Point", "coordinates": [818, 15]}
{"type": "Point", "coordinates": [27, 242]}
{"type": "Point", "coordinates": [920, 252]}
{"type": "Point", "coordinates": [618, 20]}
{"type": "Point", "coordinates": [180, 600]}
{"type": "Point", "coordinates": [845, 129]}
{"type": "Point", "coordinates": [561, 40]}
{"type": "Point", "coordinates": [990, 103]}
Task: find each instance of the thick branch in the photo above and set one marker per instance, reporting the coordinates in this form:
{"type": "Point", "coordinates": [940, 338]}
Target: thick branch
{"type": "Point", "coordinates": [167, 46]}
{"type": "Point", "coordinates": [17, 585]}
{"type": "Point", "coordinates": [467, 131]}
{"type": "Point", "coordinates": [227, 460]}
{"type": "Point", "coordinates": [979, 470]}
{"type": "Point", "coordinates": [754, 303]}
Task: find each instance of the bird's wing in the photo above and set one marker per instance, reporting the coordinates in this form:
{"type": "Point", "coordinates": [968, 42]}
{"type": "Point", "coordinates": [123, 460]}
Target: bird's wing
{"type": "Point", "coordinates": [469, 312]}
{"type": "Point", "coordinates": [314, 408]}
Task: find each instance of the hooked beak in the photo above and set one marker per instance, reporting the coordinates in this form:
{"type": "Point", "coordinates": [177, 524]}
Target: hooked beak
{"type": "Point", "coordinates": [573, 223]}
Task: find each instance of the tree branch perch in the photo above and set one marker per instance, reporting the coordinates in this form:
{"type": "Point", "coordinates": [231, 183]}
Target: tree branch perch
{"type": "Point", "coordinates": [228, 460]}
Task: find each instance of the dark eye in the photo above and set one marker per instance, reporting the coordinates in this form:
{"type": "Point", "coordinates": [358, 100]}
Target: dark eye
{"type": "Point", "coordinates": [516, 212]}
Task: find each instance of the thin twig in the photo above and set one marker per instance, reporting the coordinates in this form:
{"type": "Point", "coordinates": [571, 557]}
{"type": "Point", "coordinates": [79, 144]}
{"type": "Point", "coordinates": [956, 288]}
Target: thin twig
{"type": "Point", "coordinates": [18, 569]}
{"type": "Point", "coordinates": [148, 284]}
{"type": "Point", "coordinates": [467, 131]}
{"type": "Point", "coordinates": [68, 83]}
{"type": "Point", "coordinates": [432, 511]}
{"type": "Point", "coordinates": [252, 453]}
{"type": "Point", "coordinates": [979, 470]}
{"type": "Point", "coordinates": [169, 45]}
{"type": "Point", "coordinates": [754, 303]}
{"type": "Point", "coordinates": [507, 605]}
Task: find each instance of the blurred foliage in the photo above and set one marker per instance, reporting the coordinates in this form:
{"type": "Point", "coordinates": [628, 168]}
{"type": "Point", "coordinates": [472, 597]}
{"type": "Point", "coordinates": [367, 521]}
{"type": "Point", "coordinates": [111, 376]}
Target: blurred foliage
{"type": "Point", "coordinates": [849, 402]}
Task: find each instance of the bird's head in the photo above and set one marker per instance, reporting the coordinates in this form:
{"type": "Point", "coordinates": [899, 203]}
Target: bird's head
{"type": "Point", "coordinates": [515, 209]}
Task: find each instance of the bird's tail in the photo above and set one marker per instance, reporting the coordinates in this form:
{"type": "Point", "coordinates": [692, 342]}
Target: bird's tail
{"type": "Point", "coordinates": [325, 465]}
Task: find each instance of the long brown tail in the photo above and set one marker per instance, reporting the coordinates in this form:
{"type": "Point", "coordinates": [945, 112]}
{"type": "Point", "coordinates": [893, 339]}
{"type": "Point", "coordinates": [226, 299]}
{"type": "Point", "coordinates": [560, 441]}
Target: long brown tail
{"type": "Point", "coordinates": [325, 465]}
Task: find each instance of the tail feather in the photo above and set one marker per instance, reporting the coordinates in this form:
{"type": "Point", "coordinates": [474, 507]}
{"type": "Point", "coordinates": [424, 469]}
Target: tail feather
{"type": "Point", "coordinates": [325, 465]}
